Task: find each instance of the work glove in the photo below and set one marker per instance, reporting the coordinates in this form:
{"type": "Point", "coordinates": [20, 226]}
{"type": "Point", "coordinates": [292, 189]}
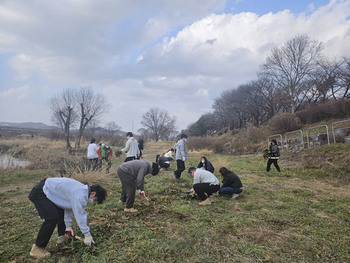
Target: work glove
{"type": "Point", "coordinates": [140, 192]}
{"type": "Point", "coordinates": [69, 231]}
{"type": "Point", "coordinates": [88, 240]}
{"type": "Point", "coordinates": [184, 158]}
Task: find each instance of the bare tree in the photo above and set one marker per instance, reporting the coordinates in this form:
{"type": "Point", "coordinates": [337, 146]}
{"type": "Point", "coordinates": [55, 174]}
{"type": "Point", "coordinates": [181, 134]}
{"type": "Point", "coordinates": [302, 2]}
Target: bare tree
{"type": "Point", "coordinates": [292, 66]}
{"type": "Point", "coordinates": [112, 128]}
{"type": "Point", "coordinates": [159, 122]}
{"type": "Point", "coordinates": [63, 114]}
{"type": "Point", "coordinates": [90, 106]}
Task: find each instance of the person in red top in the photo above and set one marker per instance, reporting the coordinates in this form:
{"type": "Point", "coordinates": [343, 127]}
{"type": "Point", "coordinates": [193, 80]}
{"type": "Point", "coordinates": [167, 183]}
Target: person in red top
{"type": "Point", "coordinates": [105, 153]}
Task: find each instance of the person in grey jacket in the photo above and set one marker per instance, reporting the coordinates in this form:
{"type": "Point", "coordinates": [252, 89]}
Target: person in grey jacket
{"type": "Point", "coordinates": [205, 184]}
{"type": "Point", "coordinates": [131, 175]}
{"type": "Point", "coordinates": [57, 201]}
{"type": "Point", "coordinates": [180, 156]}
{"type": "Point", "coordinates": [131, 148]}
{"type": "Point", "coordinates": [274, 155]}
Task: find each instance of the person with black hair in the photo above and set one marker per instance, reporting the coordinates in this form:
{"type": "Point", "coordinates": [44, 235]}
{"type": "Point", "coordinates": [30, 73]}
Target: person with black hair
{"type": "Point", "coordinates": [206, 164]}
{"type": "Point", "coordinates": [231, 184]}
{"type": "Point", "coordinates": [132, 175]}
{"type": "Point", "coordinates": [105, 152]}
{"type": "Point", "coordinates": [92, 155]}
{"type": "Point", "coordinates": [131, 148]}
{"type": "Point", "coordinates": [180, 156]}
{"type": "Point", "coordinates": [274, 154]}
{"type": "Point", "coordinates": [205, 184]}
{"type": "Point", "coordinates": [162, 161]}
{"type": "Point", "coordinates": [169, 154]}
{"type": "Point", "coordinates": [140, 143]}
{"type": "Point", "coordinates": [57, 201]}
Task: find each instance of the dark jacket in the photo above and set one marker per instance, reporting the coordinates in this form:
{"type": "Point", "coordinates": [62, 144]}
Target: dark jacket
{"type": "Point", "coordinates": [231, 180]}
{"type": "Point", "coordinates": [207, 165]}
{"type": "Point", "coordinates": [274, 150]}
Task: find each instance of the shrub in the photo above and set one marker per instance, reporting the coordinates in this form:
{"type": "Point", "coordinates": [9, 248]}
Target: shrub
{"type": "Point", "coordinates": [284, 122]}
{"type": "Point", "coordinates": [217, 145]}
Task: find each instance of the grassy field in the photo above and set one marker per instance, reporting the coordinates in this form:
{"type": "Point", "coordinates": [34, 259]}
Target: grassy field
{"type": "Point", "coordinates": [300, 215]}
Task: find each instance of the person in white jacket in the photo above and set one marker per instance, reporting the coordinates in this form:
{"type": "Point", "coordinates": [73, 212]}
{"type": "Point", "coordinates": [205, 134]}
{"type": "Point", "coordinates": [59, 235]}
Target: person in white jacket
{"type": "Point", "coordinates": [131, 148]}
{"type": "Point", "coordinates": [57, 200]}
{"type": "Point", "coordinates": [92, 155]}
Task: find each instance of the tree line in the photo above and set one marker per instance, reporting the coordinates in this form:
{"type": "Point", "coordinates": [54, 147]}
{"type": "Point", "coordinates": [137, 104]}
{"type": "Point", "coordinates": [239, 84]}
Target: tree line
{"type": "Point", "coordinates": [292, 77]}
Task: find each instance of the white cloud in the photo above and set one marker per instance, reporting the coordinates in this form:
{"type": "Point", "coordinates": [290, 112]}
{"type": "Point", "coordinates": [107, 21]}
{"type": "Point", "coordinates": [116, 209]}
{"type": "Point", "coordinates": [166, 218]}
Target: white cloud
{"type": "Point", "coordinates": [16, 94]}
{"type": "Point", "coordinates": [174, 55]}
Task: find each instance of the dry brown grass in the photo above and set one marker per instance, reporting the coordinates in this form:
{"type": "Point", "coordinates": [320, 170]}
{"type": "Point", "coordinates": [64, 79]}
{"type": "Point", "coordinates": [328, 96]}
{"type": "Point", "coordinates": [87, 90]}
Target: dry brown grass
{"type": "Point", "coordinates": [91, 178]}
{"type": "Point", "coordinates": [222, 162]}
{"type": "Point", "coordinates": [201, 153]}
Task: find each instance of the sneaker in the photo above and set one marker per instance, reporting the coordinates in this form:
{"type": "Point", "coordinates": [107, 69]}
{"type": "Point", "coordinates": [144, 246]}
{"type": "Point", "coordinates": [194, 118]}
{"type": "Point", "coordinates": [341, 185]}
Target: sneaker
{"type": "Point", "coordinates": [62, 239]}
{"type": "Point", "coordinates": [205, 202]}
{"type": "Point", "coordinates": [235, 196]}
{"type": "Point", "coordinates": [211, 198]}
{"type": "Point", "coordinates": [130, 210]}
{"type": "Point", "coordinates": [39, 252]}
{"type": "Point", "coordinates": [173, 175]}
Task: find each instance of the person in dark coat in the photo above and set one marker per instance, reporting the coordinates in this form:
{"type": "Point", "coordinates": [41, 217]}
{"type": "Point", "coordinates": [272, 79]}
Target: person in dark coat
{"type": "Point", "coordinates": [274, 154]}
{"type": "Point", "coordinates": [231, 184]}
{"type": "Point", "coordinates": [206, 164]}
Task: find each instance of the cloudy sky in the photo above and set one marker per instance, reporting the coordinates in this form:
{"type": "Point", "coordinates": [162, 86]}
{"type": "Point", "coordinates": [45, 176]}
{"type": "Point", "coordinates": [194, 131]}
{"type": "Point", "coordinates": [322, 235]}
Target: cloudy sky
{"type": "Point", "coordinates": [177, 56]}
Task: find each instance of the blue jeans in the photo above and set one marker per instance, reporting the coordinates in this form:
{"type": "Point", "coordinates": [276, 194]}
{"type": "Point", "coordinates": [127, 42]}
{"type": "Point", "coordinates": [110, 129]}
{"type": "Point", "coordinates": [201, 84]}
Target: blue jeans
{"type": "Point", "coordinates": [229, 191]}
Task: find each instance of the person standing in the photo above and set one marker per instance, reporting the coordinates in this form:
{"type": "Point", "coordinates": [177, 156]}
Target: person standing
{"type": "Point", "coordinates": [205, 184]}
{"type": "Point", "coordinates": [57, 200]}
{"type": "Point", "coordinates": [274, 155]}
{"type": "Point", "coordinates": [92, 155]}
{"type": "Point", "coordinates": [140, 143]}
{"type": "Point", "coordinates": [105, 152]}
{"type": "Point", "coordinates": [206, 164]}
{"type": "Point", "coordinates": [131, 148]}
{"type": "Point", "coordinates": [231, 184]}
{"type": "Point", "coordinates": [131, 175]}
{"type": "Point", "coordinates": [180, 156]}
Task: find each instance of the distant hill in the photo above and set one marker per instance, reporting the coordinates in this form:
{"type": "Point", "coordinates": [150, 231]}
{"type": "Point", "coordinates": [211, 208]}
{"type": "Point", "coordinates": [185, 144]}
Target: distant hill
{"type": "Point", "coordinates": [26, 125]}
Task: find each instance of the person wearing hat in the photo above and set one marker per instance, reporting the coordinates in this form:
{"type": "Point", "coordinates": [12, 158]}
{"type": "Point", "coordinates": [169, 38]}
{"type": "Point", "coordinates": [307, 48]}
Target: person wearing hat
{"type": "Point", "coordinates": [132, 175]}
{"type": "Point", "coordinates": [57, 200]}
{"type": "Point", "coordinates": [131, 148]}
{"type": "Point", "coordinates": [105, 152]}
{"type": "Point", "coordinates": [205, 184]}
{"type": "Point", "coordinates": [180, 156]}
{"type": "Point", "coordinates": [274, 155]}
{"type": "Point", "coordinates": [92, 155]}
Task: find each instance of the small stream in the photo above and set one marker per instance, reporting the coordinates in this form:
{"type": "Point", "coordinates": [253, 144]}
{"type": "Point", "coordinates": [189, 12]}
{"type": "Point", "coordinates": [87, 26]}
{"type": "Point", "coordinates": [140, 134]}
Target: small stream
{"type": "Point", "coordinates": [7, 161]}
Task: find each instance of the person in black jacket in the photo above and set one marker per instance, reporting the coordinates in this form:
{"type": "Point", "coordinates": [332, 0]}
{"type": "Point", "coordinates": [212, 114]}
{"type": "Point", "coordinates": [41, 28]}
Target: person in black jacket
{"type": "Point", "coordinates": [204, 163]}
{"type": "Point", "coordinates": [231, 184]}
{"type": "Point", "coordinates": [274, 155]}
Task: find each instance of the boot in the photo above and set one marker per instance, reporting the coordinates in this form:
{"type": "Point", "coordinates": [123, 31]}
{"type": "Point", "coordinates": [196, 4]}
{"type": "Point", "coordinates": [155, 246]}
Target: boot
{"type": "Point", "coordinates": [130, 210]}
{"type": "Point", "coordinates": [62, 239]}
{"type": "Point", "coordinates": [39, 252]}
{"type": "Point", "coordinates": [205, 202]}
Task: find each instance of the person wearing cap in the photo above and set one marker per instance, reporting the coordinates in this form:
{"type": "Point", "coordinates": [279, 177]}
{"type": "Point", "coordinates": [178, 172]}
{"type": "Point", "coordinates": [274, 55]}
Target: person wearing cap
{"type": "Point", "coordinates": [180, 156]}
{"type": "Point", "coordinates": [105, 152]}
{"type": "Point", "coordinates": [274, 155]}
{"type": "Point", "coordinates": [205, 184]}
{"type": "Point", "coordinates": [57, 201]}
{"type": "Point", "coordinates": [132, 176]}
{"type": "Point", "coordinates": [131, 148]}
{"type": "Point", "coordinates": [92, 155]}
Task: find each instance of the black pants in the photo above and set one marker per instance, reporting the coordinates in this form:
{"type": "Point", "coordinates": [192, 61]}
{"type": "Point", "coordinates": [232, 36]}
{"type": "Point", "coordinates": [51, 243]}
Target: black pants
{"type": "Point", "coordinates": [180, 168]}
{"type": "Point", "coordinates": [274, 162]}
{"type": "Point", "coordinates": [93, 164]}
{"type": "Point", "coordinates": [128, 188]}
{"type": "Point", "coordinates": [204, 189]}
{"type": "Point", "coordinates": [109, 164]}
{"type": "Point", "coordinates": [52, 214]}
{"type": "Point", "coordinates": [130, 158]}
